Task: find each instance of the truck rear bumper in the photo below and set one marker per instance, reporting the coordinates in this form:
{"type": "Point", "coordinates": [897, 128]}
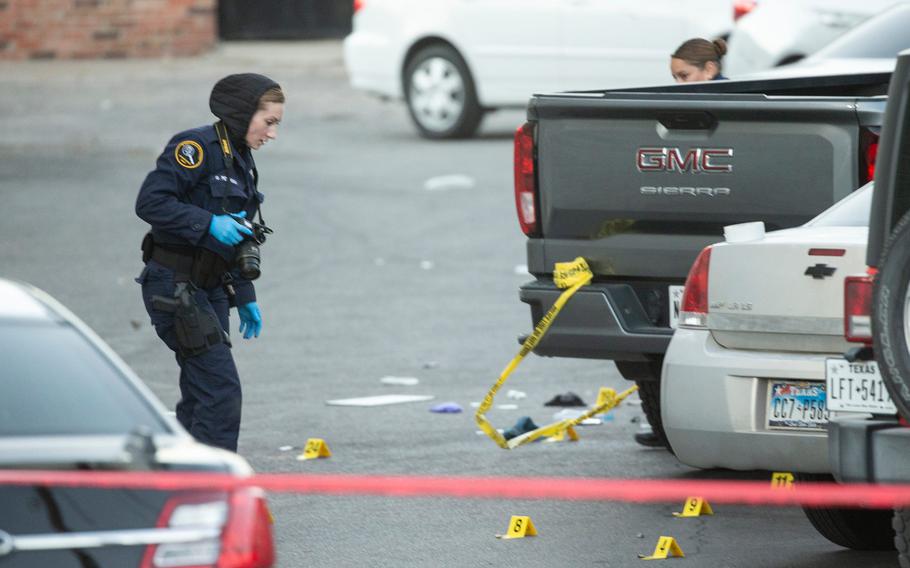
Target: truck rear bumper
{"type": "Point", "coordinates": [602, 321]}
{"type": "Point", "coordinates": [873, 450]}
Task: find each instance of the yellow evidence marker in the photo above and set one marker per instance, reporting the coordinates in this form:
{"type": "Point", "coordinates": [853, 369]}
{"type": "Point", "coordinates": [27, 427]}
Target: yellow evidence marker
{"type": "Point", "coordinates": [315, 448]}
{"type": "Point", "coordinates": [666, 545]}
{"type": "Point", "coordinates": [782, 480]}
{"type": "Point", "coordinates": [519, 527]}
{"type": "Point", "coordinates": [561, 435]}
{"type": "Point", "coordinates": [695, 507]}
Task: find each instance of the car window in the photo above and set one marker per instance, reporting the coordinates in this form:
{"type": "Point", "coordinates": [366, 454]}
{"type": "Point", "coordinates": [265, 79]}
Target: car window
{"type": "Point", "coordinates": [851, 211]}
{"type": "Point", "coordinates": [53, 381]}
{"type": "Point", "coordinates": [881, 36]}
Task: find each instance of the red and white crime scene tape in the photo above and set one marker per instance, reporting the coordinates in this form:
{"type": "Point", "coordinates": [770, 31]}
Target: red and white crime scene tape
{"type": "Point", "coordinates": [515, 488]}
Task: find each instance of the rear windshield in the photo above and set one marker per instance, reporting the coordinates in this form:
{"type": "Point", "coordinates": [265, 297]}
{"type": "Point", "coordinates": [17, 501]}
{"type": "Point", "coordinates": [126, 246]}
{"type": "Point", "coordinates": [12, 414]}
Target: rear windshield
{"type": "Point", "coordinates": [54, 382]}
{"type": "Point", "coordinates": [851, 211]}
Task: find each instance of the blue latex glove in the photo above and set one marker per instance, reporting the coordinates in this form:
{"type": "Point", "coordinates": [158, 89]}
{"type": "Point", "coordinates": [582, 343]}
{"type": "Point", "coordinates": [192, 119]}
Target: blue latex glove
{"type": "Point", "coordinates": [250, 320]}
{"type": "Point", "coordinates": [227, 230]}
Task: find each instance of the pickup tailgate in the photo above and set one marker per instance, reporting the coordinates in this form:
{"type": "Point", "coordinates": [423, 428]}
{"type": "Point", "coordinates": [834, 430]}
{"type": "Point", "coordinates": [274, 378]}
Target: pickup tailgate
{"type": "Point", "coordinates": [638, 183]}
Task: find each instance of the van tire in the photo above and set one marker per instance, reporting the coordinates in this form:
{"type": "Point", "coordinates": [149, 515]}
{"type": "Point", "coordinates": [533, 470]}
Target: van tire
{"type": "Point", "coordinates": [889, 322]}
{"type": "Point", "coordinates": [853, 528]}
{"type": "Point", "coordinates": [901, 525]}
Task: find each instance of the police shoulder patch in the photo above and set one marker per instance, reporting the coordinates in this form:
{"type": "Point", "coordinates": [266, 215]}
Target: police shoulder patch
{"type": "Point", "coordinates": [189, 154]}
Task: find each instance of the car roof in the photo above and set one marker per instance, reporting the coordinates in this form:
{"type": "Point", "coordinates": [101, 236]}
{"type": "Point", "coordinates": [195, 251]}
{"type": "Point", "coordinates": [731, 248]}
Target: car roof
{"type": "Point", "coordinates": [20, 301]}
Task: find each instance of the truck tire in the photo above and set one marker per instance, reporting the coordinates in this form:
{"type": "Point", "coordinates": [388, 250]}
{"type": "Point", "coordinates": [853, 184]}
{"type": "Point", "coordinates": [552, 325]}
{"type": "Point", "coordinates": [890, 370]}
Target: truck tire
{"type": "Point", "coordinates": [646, 375]}
{"type": "Point", "coordinates": [857, 529]}
{"type": "Point", "coordinates": [440, 93]}
{"type": "Point", "coordinates": [890, 317]}
{"type": "Point", "coordinates": [901, 525]}
{"type": "Point", "coordinates": [649, 392]}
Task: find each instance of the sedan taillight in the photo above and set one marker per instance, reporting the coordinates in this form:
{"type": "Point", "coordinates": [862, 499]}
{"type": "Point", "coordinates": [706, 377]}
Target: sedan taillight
{"type": "Point", "coordinates": [240, 517]}
{"type": "Point", "coordinates": [742, 7]}
{"type": "Point", "coordinates": [858, 309]}
{"type": "Point", "coordinates": [525, 179]}
{"type": "Point", "coordinates": [694, 307]}
{"type": "Point", "coordinates": [247, 539]}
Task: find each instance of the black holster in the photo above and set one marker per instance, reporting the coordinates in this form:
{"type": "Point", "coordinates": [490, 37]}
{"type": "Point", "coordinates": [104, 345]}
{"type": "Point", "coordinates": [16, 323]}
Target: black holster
{"type": "Point", "coordinates": [197, 330]}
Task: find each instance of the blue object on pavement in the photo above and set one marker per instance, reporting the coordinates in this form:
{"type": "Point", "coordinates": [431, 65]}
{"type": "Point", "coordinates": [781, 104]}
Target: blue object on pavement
{"type": "Point", "coordinates": [447, 408]}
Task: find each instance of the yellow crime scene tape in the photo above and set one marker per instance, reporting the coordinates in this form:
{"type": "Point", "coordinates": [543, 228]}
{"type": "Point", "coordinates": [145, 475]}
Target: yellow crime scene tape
{"type": "Point", "coordinates": [572, 276]}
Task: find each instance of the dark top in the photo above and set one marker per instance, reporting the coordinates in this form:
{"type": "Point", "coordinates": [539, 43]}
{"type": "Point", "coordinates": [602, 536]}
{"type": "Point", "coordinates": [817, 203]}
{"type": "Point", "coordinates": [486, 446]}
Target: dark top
{"type": "Point", "coordinates": [189, 184]}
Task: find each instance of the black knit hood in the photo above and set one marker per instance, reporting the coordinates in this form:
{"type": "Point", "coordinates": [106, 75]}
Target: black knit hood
{"type": "Point", "coordinates": [236, 98]}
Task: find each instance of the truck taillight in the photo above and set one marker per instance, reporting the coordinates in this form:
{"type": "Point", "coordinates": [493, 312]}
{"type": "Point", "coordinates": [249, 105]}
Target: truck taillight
{"type": "Point", "coordinates": [868, 150]}
{"type": "Point", "coordinates": [694, 306]}
{"type": "Point", "coordinates": [742, 7]}
{"type": "Point", "coordinates": [858, 309]}
{"type": "Point", "coordinates": [242, 519]}
{"type": "Point", "coordinates": [358, 4]}
{"type": "Point", "coordinates": [525, 179]}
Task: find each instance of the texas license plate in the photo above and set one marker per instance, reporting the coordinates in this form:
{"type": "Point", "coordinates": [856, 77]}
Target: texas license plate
{"type": "Point", "coordinates": [856, 387]}
{"type": "Point", "coordinates": [796, 405]}
{"type": "Point", "coordinates": [675, 295]}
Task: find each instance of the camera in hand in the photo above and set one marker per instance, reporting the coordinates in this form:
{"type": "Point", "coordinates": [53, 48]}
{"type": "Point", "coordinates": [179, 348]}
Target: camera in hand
{"type": "Point", "coordinates": [248, 256]}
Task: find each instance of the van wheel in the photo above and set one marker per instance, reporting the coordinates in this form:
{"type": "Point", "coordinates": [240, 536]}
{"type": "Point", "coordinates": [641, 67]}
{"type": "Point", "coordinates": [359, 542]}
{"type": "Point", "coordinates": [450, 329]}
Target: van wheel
{"type": "Point", "coordinates": [857, 529]}
{"type": "Point", "coordinates": [891, 315]}
{"type": "Point", "coordinates": [440, 94]}
{"type": "Point", "coordinates": [901, 525]}
{"type": "Point", "coordinates": [646, 375]}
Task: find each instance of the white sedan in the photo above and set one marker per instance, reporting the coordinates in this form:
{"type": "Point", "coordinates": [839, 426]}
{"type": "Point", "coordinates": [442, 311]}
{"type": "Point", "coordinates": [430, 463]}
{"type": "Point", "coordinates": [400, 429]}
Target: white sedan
{"type": "Point", "coordinates": [453, 60]}
{"type": "Point", "coordinates": [761, 328]}
{"type": "Point", "coordinates": [757, 364]}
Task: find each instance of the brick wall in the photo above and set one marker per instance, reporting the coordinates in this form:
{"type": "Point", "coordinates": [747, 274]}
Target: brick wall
{"type": "Point", "coordinates": [81, 29]}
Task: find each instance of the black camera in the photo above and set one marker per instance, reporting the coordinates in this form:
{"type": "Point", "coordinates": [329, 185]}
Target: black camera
{"type": "Point", "coordinates": [248, 256]}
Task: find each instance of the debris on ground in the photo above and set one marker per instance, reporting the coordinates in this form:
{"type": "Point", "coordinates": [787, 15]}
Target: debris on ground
{"type": "Point", "coordinates": [524, 424]}
{"type": "Point", "coordinates": [445, 183]}
{"type": "Point", "coordinates": [380, 400]}
{"type": "Point", "coordinates": [400, 381]}
{"type": "Point", "coordinates": [566, 399]}
{"type": "Point", "coordinates": [516, 394]}
{"type": "Point", "coordinates": [571, 414]}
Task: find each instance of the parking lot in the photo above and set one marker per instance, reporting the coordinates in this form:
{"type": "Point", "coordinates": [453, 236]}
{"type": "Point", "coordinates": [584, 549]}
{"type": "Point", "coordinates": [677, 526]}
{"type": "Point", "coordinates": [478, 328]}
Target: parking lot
{"type": "Point", "coordinates": [392, 256]}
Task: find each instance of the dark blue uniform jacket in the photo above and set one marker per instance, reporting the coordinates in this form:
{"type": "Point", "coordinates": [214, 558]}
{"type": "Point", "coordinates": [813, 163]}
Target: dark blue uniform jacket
{"type": "Point", "coordinates": [189, 184]}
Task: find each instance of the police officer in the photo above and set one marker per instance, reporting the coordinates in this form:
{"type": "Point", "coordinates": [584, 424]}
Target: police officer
{"type": "Point", "coordinates": [198, 201]}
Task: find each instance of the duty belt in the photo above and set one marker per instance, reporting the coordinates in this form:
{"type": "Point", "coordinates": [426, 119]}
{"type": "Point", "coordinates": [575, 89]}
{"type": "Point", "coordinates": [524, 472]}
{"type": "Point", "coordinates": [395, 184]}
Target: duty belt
{"type": "Point", "coordinates": [180, 260]}
{"type": "Point", "coordinates": [202, 267]}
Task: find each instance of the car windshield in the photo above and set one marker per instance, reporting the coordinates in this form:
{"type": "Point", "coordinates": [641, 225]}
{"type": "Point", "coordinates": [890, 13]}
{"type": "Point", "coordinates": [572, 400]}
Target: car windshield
{"type": "Point", "coordinates": [851, 211]}
{"type": "Point", "coordinates": [55, 382]}
{"type": "Point", "coordinates": [883, 35]}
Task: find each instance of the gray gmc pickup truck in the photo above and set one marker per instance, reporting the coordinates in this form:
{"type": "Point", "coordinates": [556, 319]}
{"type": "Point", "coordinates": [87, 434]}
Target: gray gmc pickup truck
{"type": "Point", "coordinates": [638, 182]}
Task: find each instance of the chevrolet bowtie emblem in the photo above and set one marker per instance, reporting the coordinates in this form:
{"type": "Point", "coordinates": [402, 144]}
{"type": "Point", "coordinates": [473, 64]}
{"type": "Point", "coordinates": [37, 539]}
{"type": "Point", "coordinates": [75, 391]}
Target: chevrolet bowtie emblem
{"type": "Point", "coordinates": [819, 271]}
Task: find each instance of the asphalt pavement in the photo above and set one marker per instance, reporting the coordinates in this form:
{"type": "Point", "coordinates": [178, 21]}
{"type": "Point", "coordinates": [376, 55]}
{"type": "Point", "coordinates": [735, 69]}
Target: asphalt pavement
{"type": "Point", "coordinates": [392, 256]}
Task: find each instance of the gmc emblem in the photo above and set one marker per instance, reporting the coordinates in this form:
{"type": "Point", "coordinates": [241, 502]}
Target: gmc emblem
{"type": "Point", "coordinates": [695, 160]}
